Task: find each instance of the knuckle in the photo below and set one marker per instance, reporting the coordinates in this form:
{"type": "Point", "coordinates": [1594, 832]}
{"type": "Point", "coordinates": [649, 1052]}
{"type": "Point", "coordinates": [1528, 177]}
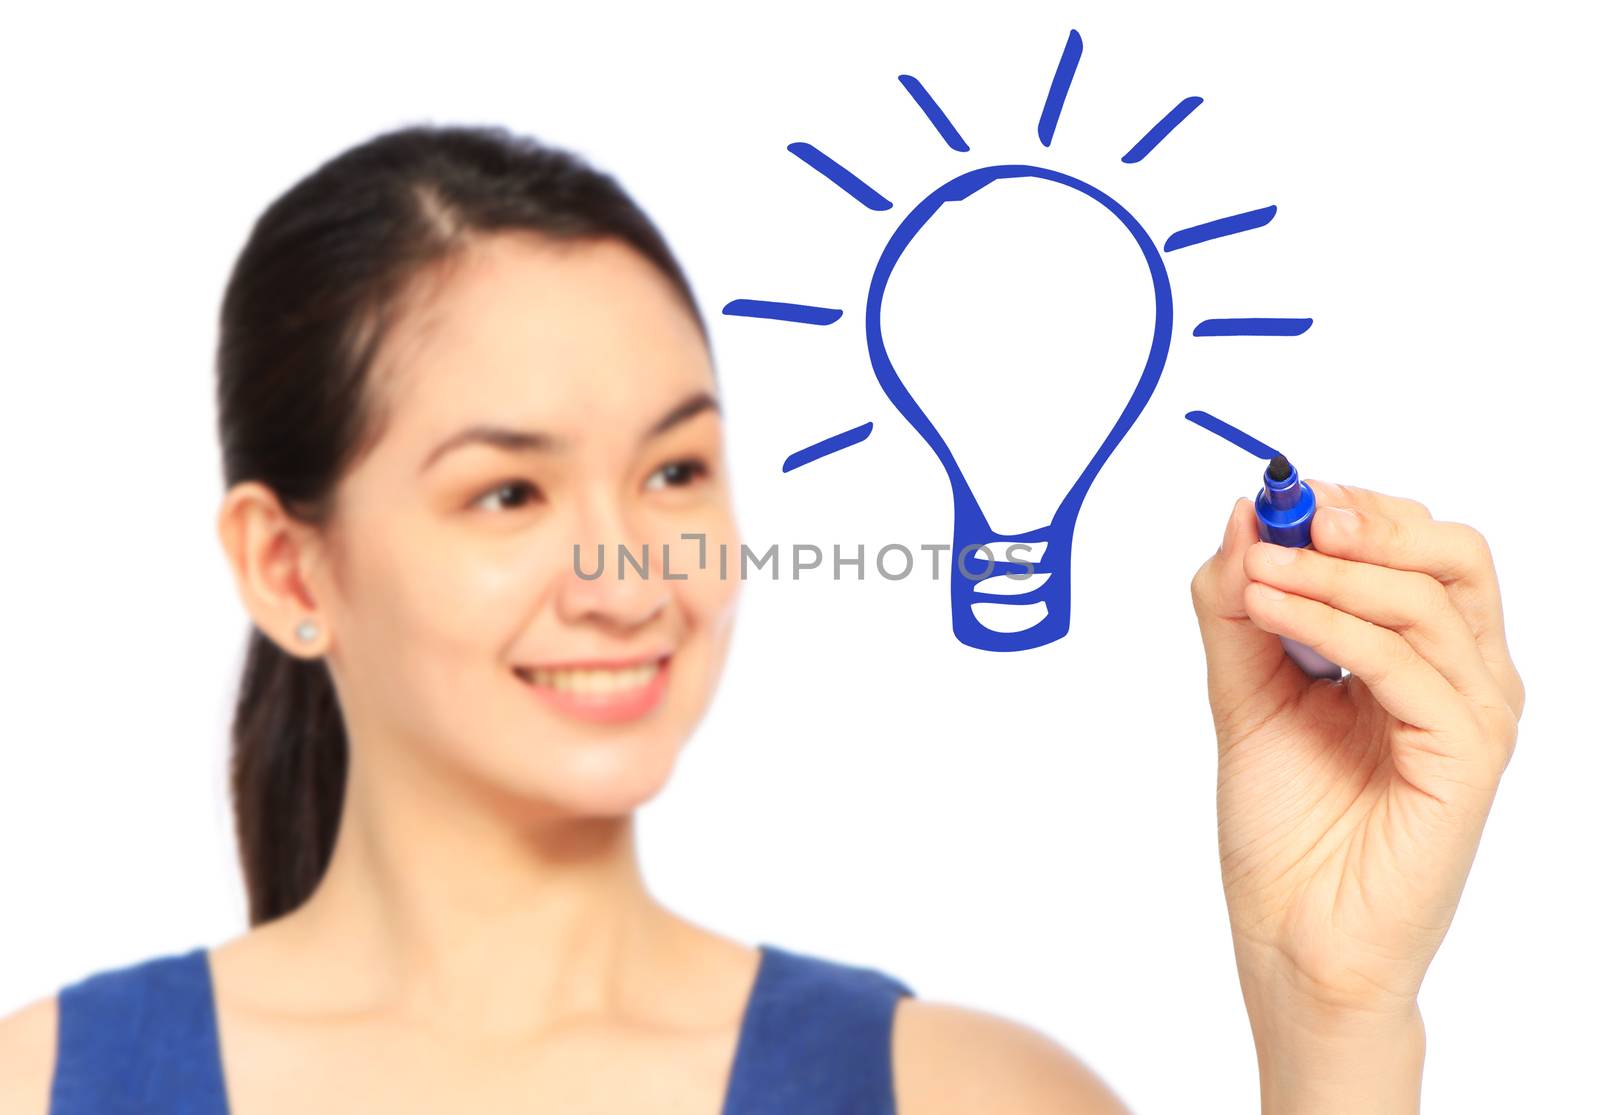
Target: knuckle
{"type": "Point", "coordinates": [1396, 657]}
{"type": "Point", "coordinates": [1424, 603]}
{"type": "Point", "coordinates": [1506, 718]}
{"type": "Point", "coordinates": [1474, 540]}
{"type": "Point", "coordinates": [1435, 597]}
{"type": "Point", "coordinates": [1402, 536]}
{"type": "Point", "coordinates": [1502, 731]}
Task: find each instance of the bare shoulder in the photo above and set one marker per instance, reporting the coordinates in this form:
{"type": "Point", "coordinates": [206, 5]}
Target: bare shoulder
{"type": "Point", "coordinates": [28, 1057]}
{"type": "Point", "coordinates": [954, 1060]}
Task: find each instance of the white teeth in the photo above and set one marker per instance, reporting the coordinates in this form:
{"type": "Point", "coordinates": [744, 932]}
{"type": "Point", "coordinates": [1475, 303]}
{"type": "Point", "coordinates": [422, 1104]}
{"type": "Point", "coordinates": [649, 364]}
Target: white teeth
{"type": "Point", "coordinates": [595, 682]}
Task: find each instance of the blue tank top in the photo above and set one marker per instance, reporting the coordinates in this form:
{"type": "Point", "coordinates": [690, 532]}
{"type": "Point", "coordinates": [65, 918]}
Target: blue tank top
{"type": "Point", "coordinates": [814, 1038]}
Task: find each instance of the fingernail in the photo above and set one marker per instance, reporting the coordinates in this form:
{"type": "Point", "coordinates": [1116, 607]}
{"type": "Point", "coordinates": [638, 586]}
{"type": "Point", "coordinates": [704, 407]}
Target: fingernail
{"type": "Point", "coordinates": [1227, 531]}
{"type": "Point", "coordinates": [1342, 518]}
{"type": "Point", "coordinates": [1280, 555]}
{"type": "Point", "coordinates": [1329, 492]}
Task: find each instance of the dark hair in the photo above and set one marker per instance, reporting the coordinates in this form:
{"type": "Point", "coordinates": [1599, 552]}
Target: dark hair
{"type": "Point", "coordinates": [316, 288]}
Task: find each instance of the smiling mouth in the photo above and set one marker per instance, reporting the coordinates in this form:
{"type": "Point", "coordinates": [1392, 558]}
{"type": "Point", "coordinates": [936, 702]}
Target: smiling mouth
{"type": "Point", "coordinates": [592, 681]}
{"type": "Point", "coordinates": [599, 693]}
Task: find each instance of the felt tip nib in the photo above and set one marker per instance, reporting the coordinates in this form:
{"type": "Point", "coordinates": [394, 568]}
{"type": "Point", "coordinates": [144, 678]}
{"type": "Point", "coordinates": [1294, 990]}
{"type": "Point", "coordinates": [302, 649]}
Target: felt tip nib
{"type": "Point", "coordinates": [1278, 468]}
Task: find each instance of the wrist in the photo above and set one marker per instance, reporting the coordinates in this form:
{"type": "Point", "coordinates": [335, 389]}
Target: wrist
{"type": "Point", "coordinates": [1311, 1066]}
{"type": "Point", "coordinates": [1323, 1054]}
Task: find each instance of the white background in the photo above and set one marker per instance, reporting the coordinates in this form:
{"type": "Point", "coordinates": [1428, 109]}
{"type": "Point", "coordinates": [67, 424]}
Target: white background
{"type": "Point", "coordinates": [1031, 834]}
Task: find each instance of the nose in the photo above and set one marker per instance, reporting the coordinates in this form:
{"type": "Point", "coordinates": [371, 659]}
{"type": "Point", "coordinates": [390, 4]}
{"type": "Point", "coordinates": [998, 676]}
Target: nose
{"type": "Point", "coordinates": [615, 575]}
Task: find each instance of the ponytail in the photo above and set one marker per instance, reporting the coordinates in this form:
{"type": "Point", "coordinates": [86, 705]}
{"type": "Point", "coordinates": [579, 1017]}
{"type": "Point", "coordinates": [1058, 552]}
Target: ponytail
{"type": "Point", "coordinates": [287, 775]}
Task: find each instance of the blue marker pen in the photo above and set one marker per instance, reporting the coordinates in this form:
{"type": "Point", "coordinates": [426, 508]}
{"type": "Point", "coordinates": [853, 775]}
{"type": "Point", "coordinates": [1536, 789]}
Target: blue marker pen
{"type": "Point", "coordinates": [1284, 509]}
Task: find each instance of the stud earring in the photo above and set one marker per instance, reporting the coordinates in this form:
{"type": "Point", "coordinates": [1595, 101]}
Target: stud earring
{"type": "Point", "coordinates": [306, 631]}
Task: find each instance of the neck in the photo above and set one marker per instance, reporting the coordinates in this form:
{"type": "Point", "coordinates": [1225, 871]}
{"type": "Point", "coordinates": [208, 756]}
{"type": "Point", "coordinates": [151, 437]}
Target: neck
{"type": "Point", "coordinates": [446, 903]}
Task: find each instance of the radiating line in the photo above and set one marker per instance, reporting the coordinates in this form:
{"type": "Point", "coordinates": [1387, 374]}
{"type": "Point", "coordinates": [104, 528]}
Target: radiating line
{"type": "Point", "coordinates": [782, 311]}
{"type": "Point", "coordinates": [840, 177]}
{"type": "Point", "coordinates": [825, 446]}
{"type": "Point", "coordinates": [1252, 327]}
{"type": "Point", "coordinates": [934, 113]}
{"type": "Point", "coordinates": [1058, 87]}
{"type": "Point", "coordinates": [1232, 433]}
{"type": "Point", "coordinates": [1222, 226]}
{"type": "Point", "coordinates": [1158, 133]}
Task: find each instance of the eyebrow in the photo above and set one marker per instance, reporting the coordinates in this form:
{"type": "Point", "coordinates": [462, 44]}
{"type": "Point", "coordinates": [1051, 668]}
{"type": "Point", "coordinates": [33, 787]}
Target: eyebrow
{"type": "Point", "coordinates": [526, 441]}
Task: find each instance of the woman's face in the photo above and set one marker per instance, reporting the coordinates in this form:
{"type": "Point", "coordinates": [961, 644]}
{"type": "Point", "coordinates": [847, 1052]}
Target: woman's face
{"type": "Point", "coordinates": [544, 395]}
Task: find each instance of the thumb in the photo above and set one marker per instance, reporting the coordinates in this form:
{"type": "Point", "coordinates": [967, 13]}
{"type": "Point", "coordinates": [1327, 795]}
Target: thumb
{"type": "Point", "coordinates": [1241, 659]}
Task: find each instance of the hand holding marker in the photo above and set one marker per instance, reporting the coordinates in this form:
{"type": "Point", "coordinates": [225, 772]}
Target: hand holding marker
{"type": "Point", "coordinates": [1329, 795]}
{"type": "Point", "coordinates": [1284, 510]}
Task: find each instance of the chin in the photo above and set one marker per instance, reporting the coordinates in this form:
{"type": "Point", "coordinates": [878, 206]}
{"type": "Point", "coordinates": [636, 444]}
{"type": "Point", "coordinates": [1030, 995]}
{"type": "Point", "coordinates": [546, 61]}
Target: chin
{"type": "Point", "coordinates": [589, 770]}
{"type": "Point", "coordinates": [592, 782]}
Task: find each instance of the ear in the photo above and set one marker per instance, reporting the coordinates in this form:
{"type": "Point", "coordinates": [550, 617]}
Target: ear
{"type": "Point", "coordinates": [273, 557]}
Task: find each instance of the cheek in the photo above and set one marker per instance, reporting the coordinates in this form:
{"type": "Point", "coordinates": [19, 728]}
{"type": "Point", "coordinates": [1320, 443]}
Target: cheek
{"type": "Point", "coordinates": [451, 604]}
{"type": "Point", "coordinates": [710, 600]}
{"type": "Point", "coordinates": [707, 603]}
{"type": "Point", "coordinates": [709, 595]}
{"type": "Point", "coordinates": [441, 613]}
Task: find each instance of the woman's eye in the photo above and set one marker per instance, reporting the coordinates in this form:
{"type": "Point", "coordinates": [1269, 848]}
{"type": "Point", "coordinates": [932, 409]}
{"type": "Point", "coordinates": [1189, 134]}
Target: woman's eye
{"type": "Point", "coordinates": [511, 494]}
{"type": "Point", "coordinates": [676, 474]}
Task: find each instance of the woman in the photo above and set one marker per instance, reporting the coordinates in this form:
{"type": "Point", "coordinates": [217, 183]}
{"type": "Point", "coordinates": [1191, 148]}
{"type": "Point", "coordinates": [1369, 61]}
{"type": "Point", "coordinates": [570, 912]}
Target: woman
{"type": "Point", "coordinates": [449, 356]}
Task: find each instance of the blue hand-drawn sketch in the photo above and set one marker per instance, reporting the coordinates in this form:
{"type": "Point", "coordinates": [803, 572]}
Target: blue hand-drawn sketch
{"type": "Point", "coordinates": [978, 553]}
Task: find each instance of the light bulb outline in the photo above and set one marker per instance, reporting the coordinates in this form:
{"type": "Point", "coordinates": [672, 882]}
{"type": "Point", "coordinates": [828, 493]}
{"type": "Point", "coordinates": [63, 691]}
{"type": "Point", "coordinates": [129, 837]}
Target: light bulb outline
{"type": "Point", "coordinates": [1063, 524]}
{"type": "Point", "coordinates": [971, 525]}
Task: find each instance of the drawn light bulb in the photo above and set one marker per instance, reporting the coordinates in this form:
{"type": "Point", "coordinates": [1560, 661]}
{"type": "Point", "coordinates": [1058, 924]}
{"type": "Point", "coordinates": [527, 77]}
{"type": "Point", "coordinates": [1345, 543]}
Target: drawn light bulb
{"type": "Point", "coordinates": [1048, 547]}
{"type": "Point", "coordinates": [974, 541]}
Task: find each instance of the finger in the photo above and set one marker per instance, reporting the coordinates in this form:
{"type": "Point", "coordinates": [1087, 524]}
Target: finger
{"type": "Point", "coordinates": [1402, 680]}
{"type": "Point", "coordinates": [1243, 677]}
{"type": "Point", "coordinates": [1411, 604]}
{"type": "Point", "coordinates": [1386, 530]}
{"type": "Point", "coordinates": [1477, 595]}
{"type": "Point", "coordinates": [1429, 747]}
{"type": "Point", "coordinates": [1404, 683]}
{"type": "Point", "coordinates": [1348, 495]}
